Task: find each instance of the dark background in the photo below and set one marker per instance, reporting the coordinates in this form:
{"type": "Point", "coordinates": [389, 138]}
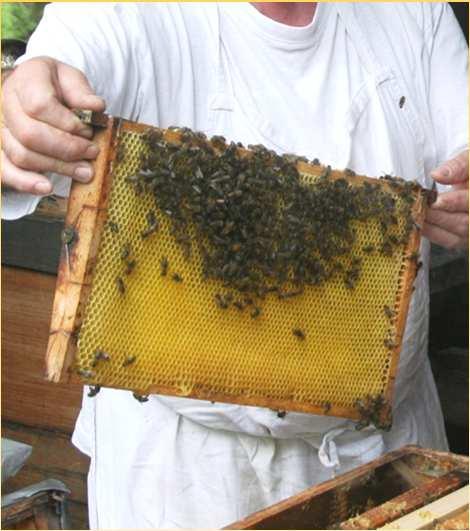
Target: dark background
{"type": "Point", "coordinates": [448, 327]}
{"type": "Point", "coordinates": [461, 12]}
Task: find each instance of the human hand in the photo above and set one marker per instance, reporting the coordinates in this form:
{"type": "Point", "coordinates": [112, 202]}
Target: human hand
{"type": "Point", "coordinates": [39, 131]}
{"type": "Point", "coordinates": [446, 220]}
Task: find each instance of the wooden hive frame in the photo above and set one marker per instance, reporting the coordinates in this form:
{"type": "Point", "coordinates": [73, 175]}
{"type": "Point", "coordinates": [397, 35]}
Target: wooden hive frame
{"type": "Point", "coordinates": [428, 499]}
{"type": "Point", "coordinates": [84, 223]}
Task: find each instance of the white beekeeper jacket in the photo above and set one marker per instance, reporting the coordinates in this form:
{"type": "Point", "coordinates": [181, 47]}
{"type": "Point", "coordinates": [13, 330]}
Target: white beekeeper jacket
{"type": "Point", "coordinates": [334, 90]}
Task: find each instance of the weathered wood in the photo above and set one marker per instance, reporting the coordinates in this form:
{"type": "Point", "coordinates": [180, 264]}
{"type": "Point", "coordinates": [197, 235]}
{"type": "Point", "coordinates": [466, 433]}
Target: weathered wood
{"type": "Point", "coordinates": [411, 477]}
{"type": "Point", "coordinates": [53, 456]}
{"type": "Point", "coordinates": [406, 502]}
{"type": "Point", "coordinates": [459, 521]}
{"type": "Point", "coordinates": [439, 511]}
{"type": "Point", "coordinates": [77, 515]}
{"type": "Point", "coordinates": [35, 512]}
{"type": "Point", "coordinates": [85, 217]}
{"type": "Point", "coordinates": [23, 511]}
{"type": "Point", "coordinates": [317, 507]}
{"type": "Point", "coordinates": [27, 397]}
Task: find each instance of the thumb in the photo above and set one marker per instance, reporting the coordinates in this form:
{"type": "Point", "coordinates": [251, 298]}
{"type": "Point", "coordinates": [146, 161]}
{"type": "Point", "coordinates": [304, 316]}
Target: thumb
{"type": "Point", "coordinates": [76, 91]}
{"type": "Point", "coordinates": [452, 171]}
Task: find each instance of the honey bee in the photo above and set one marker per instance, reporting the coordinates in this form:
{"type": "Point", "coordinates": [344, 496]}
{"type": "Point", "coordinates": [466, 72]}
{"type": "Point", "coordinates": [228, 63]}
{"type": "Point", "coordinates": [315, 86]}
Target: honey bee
{"type": "Point", "coordinates": [68, 236]}
{"type": "Point", "coordinates": [177, 277]}
{"type": "Point", "coordinates": [373, 409]}
{"type": "Point", "coordinates": [94, 390]}
{"type": "Point", "coordinates": [152, 137]}
{"type": "Point", "coordinates": [128, 361]}
{"type": "Point", "coordinates": [220, 301]}
{"type": "Point", "coordinates": [219, 142]}
{"type": "Point", "coordinates": [186, 246]}
{"type": "Point", "coordinates": [300, 334]}
{"type": "Point", "coordinates": [255, 312]}
{"type": "Point", "coordinates": [281, 414]}
{"type": "Point", "coordinates": [84, 373]}
{"type": "Point", "coordinates": [140, 398]}
{"type": "Point", "coordinates": [413, 257]}
{"type": "Point", "coordinates": [125, 251]}
{"type": "Point", "coordinates": [401, 103]}
{"type": "Point", "coordinates": [113, 226]}
{"type": "Point", "coordinates": [100, 355]}
{"type": "Point", "coordinates": [431, 195]}
{"type": "Point", "coordinates": [389, 312]}
{"type": "Point", "coordinates": [152, 223]}
{"type": "Point", "coordinates": [239, 305]}
{"type": "Point", "coordinates": [327, 172]}
{"type": "Point", "coordinates": [130, 265]}
{"type": "Point", "coordinates": [164, 266]}
{"type": "Point", "coordinates": [290, 294]}
{"type": "Point", "coordinates": [120, 153]}
{"type": "Point", "coordinates": [387, 248]}
{"type": "Point", "coordinates": [389, 343]}
{"type": "Point", "coordinates": [120, 285]}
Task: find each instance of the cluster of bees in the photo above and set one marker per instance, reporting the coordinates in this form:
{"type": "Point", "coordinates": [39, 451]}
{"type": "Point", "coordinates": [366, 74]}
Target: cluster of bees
{"type": "Point", "coordinates": [371, 409]}
{"type": "Point", "coordinates": [259, 226]}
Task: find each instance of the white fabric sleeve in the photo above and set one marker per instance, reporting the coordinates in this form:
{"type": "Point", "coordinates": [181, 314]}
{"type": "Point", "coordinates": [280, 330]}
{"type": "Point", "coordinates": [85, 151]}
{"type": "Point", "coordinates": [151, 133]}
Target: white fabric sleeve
{"type": "Point", "coordinates": [448, 83]}
{"type": "Point", "coordinates": [100, 40]}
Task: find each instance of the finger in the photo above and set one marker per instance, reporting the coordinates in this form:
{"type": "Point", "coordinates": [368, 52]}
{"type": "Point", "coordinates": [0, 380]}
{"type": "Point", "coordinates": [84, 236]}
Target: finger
{"type": "Point", "coordinates": [456, 223]}
{"type": "Point", "coordinates": [47, 104]}
{"type": "Point", "coordinates": [22, 180]}
{"type": "Point", "coordinates": [26, 159]}
{"type": "Point", "coordinates": [76, 91]}
{"type": "Point", "coordinates": [452, 171]}
{"type": "Point", "coordinates": [442, 237]}
{"type": "Point", "coordinates": [453, 201]}
{"type": "Point", "coordinates": [45, 139]}
{"type": "Point", "coordinates": [460, 186]}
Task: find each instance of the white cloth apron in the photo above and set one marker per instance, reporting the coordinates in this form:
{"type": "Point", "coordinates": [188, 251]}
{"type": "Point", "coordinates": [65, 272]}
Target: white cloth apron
{"type": "Point", "coordinates": [186, 463]}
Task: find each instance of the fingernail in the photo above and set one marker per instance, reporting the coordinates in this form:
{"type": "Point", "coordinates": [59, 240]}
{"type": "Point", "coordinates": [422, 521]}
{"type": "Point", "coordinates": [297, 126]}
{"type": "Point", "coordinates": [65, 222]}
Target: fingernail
{"type": "Point", "coordinates": [444, 172]}
{"type": "Point", "coordinates": [92, 151]}
{"type": "Point", "coordinates": [99, 100]}
{"type": "Point", "coordinates": [95, 103]}
{"type": "Point", "coordinates": [42, 188]}
{"type": "Point", "coordinates": [83, 173]}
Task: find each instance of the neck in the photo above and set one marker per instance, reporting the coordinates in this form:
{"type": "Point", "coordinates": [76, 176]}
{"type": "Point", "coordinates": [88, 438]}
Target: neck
{"type": "Point", "coordinates": [290, 13]}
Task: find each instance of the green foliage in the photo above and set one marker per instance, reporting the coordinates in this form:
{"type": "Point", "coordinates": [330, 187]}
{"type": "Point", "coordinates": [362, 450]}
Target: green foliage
{"type": "Point", "coordinates": [19, 19]}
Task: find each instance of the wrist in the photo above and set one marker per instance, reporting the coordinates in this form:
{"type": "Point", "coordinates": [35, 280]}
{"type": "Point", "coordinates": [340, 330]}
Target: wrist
{"type": "Point", "coordinates": [6, 72]}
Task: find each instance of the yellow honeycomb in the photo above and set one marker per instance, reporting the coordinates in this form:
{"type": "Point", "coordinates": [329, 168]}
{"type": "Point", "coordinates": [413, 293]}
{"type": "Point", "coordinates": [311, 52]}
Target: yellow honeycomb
{"type": "Point", "coordinates": [183, 344]}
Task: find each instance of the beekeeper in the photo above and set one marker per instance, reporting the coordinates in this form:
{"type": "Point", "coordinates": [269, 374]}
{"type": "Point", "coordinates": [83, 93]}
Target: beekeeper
{"type": "Point", "coordinates": [379, 88]}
